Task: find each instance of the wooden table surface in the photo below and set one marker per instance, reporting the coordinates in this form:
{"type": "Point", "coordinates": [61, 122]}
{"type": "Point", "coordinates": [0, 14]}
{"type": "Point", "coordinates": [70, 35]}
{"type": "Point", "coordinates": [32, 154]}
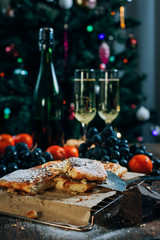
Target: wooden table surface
{"type": "Point", "coordinates": [17, 229]}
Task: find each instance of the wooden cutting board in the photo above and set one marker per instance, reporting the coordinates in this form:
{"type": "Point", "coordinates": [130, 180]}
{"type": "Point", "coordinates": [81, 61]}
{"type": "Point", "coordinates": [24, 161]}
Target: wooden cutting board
{"type": "Point", "coordinates": [57, 206]}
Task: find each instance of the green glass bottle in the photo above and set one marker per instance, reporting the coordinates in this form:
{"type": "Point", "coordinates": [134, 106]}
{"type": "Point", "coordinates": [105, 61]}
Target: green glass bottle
{"type": "Point", "coordinates": [47, 101]}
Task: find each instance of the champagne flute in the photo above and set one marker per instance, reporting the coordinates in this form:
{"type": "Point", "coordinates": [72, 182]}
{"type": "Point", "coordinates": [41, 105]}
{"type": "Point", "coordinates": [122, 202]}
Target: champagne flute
{"type": "Point", "coordinates": [109, 97]}
{"type": "Point", "coordinates": [85, 96]}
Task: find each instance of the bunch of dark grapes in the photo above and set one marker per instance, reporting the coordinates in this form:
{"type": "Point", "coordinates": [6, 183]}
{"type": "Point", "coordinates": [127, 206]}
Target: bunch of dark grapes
{"type": "Point", "coordinates": [20, 157]}
{"type": "Point", "coordinates": [108, 148]}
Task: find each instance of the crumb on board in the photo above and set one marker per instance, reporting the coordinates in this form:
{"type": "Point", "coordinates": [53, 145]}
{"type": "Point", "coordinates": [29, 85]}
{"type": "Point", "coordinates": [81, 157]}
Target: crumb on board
{"type": "Point", "coordinates": [143, 225]}
{"type": "Point", "coordinates": [79, 200]}
{"type": "Point", "coordinates": [13, 225]}
{"type": "Point", "coordinates": [32, 214]}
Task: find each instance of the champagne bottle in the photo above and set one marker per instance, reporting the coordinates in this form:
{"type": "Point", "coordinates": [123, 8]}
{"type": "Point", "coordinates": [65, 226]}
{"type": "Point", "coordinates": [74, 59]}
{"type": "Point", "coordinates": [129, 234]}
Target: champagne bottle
{"type": "Point", "coordinates": [47, 102]}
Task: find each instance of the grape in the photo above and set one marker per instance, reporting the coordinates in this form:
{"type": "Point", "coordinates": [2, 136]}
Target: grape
{"type": "Point", "coordinates": [124, 163]}
{"type": "Point", "coordinates": [38, 150]}
{"type": "Point", "coordinates": [123, 145]}
{"type": "Point", "coordinates": [10, 149]}
{"type": "Point", "coordinates": [96, 153]}
{"type": "Point", "coordinates": [105, 158]}
{"type": "Point", "coordinates": [24, 155]}
{"type": "Point", "coordinates": [21, 146]}
{"type": "Point", "coordinates": [153, 162]}
{"type": "Point", "coordinates": [149, 154]}
{"type": "Point", "coordinates": [114, 161]}
{"type": "Point", "coordinates": [83, 147]}
{"type": "Point", "coordinates": [96, 138]}
{"type": "Point", "coordinates": [35, 154]}
{"type": "Point", "coordinates": [48, 157]}
{"type": "Point", "coordinates": [25, 165]}
{"type": "Point", "coordinates": [129, 156]}
{"type": "Point", "coordinates": [19, 156]}
{"type": "Point", "coordinates": [4, 160]}
{"type": "Point", "coordinates": [111, 141]}
{"type": "Point", "coordinates": [124, 142]}
{"type": "Point", "coordinates": [10, 153]}
{"type": "Point", "coordinates": [124, 151]}
{"type": "Point", "coordinates": [40, 160]}
{"type": "Point", "coordinates": [118, 141]}
{"type": "Point", "coordinates": [11, 156]}
{"type": "Point", "coordinates": [115, 147]}
{"type": "Point", "coordinates": [115, 154]}
{"type": "Point", "coordinates": [104, 145]}
{"type": "Point", "coordinates": [12, 167]}
{"type": "Point", "coordinates": [106, 132]}
{"type": "Point", "coordinates": [3, 170]}
{"type": "Point", "coordinates": [32, 164]}
{"type": "Point", "coordinates": [89, 143]}
{"type": "Point", "coordinates": [81, 155]}
{"type": "Point", "coordinates": [18, 162]}
{"type": "Point", "coordinates": [117, 150]}
{"type": "Point", "coordinates": [133, 148]}
{"type": "Point", "coordinates": [92, 131]}
{"type": "Point", "coordinates": [89, 153]}
{"type": "Point", "coordinates": [157, 163]}
{"type": "Point", "coordinates": [139, 151]}
{"type": "Point", "coordinates": [143, 148]}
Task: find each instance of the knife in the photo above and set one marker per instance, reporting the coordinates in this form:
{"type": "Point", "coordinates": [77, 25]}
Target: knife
{"type": "Point", "coordinates": [116, 183]}
{"type": "Point", "coordinates": [113, 182]}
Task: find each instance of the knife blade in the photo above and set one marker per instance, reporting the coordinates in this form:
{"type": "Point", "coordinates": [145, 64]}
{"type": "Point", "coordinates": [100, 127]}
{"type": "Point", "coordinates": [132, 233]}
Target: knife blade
{"type": "Point", "coordinates": [113, 182]}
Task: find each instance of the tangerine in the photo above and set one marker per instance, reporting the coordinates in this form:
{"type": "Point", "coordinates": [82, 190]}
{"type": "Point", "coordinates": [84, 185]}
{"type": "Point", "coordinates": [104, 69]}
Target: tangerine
{"type": "Point", "coordinates": [71, 151]}
{"type": "Point", "coordinates": [25, 138]}
{"type": "Point", "coordinates": [5, 140]}
{"type": "Point", "coordinates": [141, 164]}
{"type": "Point", "coordinates": [57, 152]}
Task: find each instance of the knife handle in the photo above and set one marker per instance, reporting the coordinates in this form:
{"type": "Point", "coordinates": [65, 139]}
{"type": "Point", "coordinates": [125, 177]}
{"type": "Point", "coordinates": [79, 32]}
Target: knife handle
{"type": "Point", "coordinates": [142, 178]}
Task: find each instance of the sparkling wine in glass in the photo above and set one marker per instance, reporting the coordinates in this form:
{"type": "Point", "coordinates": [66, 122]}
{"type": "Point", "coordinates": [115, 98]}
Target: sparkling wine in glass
{"type": "Point", "coordinates": [109, 97]}
{"type": "Point", "coordinates": [85, 96]}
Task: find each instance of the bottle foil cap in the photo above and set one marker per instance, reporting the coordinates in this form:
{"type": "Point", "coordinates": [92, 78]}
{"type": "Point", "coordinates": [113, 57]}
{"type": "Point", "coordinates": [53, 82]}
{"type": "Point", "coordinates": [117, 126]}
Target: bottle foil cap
{"type": "Point", "coordinates": [46, 36]}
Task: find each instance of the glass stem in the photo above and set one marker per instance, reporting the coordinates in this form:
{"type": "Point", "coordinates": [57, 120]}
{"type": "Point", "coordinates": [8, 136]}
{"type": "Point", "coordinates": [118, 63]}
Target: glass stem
{"type": "Point", "coordinates": [84, 127]}
{"type": "Point", "coordinates": [108, 123]}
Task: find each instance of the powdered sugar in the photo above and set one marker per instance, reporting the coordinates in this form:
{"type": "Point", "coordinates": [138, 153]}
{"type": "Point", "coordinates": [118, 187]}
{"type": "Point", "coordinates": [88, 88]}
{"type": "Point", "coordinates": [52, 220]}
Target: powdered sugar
{"type": "Point", "coordinates": [27, 175]}
{"type": "Point", "coordinates": [79, 168]}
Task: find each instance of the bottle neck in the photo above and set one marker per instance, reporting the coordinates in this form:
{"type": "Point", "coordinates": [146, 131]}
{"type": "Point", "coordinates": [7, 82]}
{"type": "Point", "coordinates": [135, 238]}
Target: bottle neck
{"type": "Point", "coordinates": [47, 66]}
{"type": "Point", "coordinates": [46, 54]}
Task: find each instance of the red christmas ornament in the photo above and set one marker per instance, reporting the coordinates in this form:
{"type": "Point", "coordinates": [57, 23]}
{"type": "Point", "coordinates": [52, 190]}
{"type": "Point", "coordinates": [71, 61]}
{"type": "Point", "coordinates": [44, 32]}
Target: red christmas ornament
{"type": "Point", "coordinates": [139, 138]}
{"type": "Point", "coordinates": [132, 42]}
{"type": "Point", "coordinates": [71, 111]}
{"type": "Point", "coordinates": [11, 50]}
{"type": "Point", "coordinates": [102, 66]}
{"type": "Point", "coordinates": [104, 52]}
{"type": "Point", "coordinates": [133, 106]}
{"type": "Point", "coordinates": [15, 54]}
{"type": "Point", "coordinates": [65, 43]}
{"type": "Point", "coordinates": [2, 74]}
{"type": "Point", "coordinates": [91, 4]}
{"type": "Point", "coordinates": [10, 12]}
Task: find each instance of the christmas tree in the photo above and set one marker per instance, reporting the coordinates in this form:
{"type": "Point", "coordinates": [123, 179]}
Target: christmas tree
{"type": "Point", "coordinates": [82, 28]}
